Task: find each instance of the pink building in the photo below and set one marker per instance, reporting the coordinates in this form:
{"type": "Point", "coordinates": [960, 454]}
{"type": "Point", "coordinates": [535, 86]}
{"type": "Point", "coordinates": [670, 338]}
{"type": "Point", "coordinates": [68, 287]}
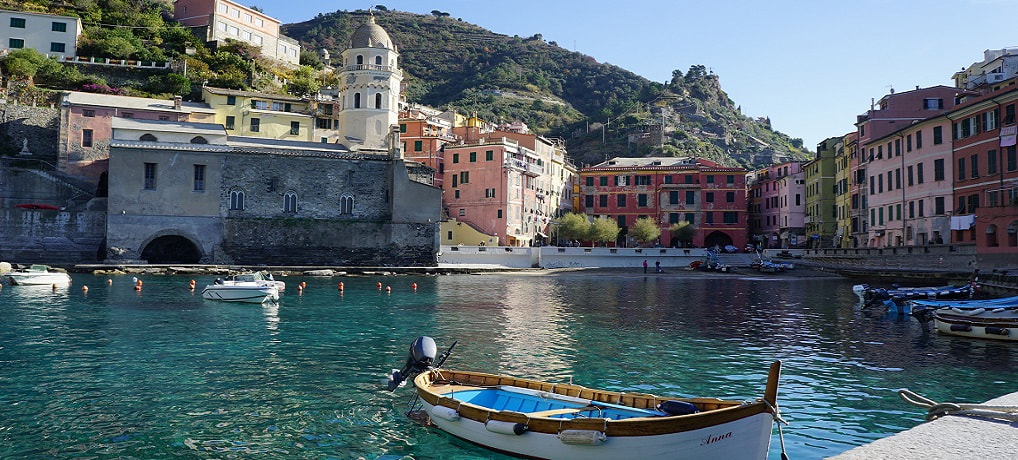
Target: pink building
{"type": "Point", "coordinates": [909, 188]}
{"type": "Point", "coordinates": [893, 113]}
{"type": "Point", "coordinates": [86, 125]}
{"type": "Point", "coordinates": [492, 185]}
{"type": "Point", "coordinates": [779, 197]}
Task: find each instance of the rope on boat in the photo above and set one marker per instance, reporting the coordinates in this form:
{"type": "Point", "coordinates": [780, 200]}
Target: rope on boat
{"type": "Point", "coordinates": [776, 415]}
{"type": "Point", "coordinates": [935, 410]}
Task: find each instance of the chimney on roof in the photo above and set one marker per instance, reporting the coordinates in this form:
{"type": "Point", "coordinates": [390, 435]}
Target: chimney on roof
{"type": "Point", "coordinates": [177, 102]}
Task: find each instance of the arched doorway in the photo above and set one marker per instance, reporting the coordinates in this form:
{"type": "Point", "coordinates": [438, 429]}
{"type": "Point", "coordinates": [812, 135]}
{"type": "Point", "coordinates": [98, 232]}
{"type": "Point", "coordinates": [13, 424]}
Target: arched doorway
{"type": "Point", "coordinates": [171, 249]}
{"type": "Point", "coordinates": [717, 238]}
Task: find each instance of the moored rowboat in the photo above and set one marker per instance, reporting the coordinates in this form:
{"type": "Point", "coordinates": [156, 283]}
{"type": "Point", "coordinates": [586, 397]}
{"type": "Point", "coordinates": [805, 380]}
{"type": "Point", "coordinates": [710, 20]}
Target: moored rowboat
{"type": "Point", "coordinates": [564, 421]}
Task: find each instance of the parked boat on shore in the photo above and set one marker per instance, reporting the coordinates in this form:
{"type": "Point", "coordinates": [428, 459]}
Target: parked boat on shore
{"type": "Point", "coordinates": [38, 275]}
{"type": "Point", "coordinates": [564, 421]}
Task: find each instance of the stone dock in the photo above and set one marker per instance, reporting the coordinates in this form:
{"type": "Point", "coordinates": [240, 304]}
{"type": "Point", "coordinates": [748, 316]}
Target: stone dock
{"type": "Point", "coordinates": [948, 437]}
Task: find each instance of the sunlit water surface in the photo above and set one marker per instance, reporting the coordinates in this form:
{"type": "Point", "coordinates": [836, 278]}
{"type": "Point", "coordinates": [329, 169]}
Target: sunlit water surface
{"type": "Point", "coordinates": [161, 373]}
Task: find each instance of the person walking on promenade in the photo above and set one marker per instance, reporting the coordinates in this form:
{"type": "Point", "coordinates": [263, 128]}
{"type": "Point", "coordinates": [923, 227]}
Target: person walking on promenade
{"type": "Point", "coordinates": [645, 266]}
{"type": "Point", "coordinates": [657, 266]}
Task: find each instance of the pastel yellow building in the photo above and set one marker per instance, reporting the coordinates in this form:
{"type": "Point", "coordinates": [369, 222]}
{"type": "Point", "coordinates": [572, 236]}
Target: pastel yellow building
{"type": "Point", "coordinates": [251, 114]}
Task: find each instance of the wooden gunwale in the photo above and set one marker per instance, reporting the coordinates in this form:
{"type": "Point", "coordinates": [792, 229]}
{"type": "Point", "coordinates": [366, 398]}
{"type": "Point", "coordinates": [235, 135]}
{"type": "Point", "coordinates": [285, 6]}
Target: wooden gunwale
{"type": "Point", "coordinates": [713, 411]}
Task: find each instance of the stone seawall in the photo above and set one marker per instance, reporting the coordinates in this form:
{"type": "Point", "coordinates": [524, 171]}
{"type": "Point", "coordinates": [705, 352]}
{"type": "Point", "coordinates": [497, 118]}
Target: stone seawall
{"type": "Point", "coordinates": [327, 242]}
{"type": "Point", "coordinates": [52, 237]}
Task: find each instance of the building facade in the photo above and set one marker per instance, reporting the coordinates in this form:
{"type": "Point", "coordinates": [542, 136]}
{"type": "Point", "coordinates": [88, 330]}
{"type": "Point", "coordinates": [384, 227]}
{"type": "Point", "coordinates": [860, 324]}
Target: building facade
{"type": "Point", "coordinates": [842, 189]}
{"type": "Point", "coordinates": [706, 195]}
{"type": "Point", "coordinates": [985, 208]}
{"type": "Point", "coordinates": [780, 191]}
{"type": "Point", "coordinates": [188, 193]}
{"type": "Point", "coordinates": [215, 21]}
{"type": "Point", "coordinates": [86, 125]}
{"type": "Point", "coordinates": [821, 216]}
{"type": "Point", "coordinates": [49, 34]}
{"type": "Point", "coordinates": [253, 114]}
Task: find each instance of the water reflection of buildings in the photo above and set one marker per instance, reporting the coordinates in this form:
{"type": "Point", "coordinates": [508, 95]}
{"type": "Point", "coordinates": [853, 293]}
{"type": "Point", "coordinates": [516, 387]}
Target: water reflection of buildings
{"type": "Point", "coordinates": [525, 330]}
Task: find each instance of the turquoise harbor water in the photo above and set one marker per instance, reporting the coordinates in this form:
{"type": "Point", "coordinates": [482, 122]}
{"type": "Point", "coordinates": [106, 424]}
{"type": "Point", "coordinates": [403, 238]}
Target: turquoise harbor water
{"type": "Point", "coordinates": [163, 374]}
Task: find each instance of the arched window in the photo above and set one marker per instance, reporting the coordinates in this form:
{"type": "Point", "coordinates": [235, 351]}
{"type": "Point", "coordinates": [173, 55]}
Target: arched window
{"type": "Point", "coordinates": [237, 200]}
{"type": "Point", "coordinates": [357, 100]}
{"type": "Point", "coordinates": [148, 138]}
{"type": "Point", "coordinates": [360, 60]}
{"type": "Point", "coordinates": [346, 205]}
{"type": "Point", "coordinates": [378, 60]}
{"type": "Point", "coordinates": [378, 100]}
{"type": "Point", "coordinates": [290, 202]}
{"type": "Point", "coordinates": [199, 140]}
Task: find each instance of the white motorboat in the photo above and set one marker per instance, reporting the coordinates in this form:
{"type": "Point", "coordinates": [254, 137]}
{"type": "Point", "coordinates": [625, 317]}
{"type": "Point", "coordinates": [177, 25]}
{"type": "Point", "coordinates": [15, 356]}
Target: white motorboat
{"type": "Point", "coordinates": [39, 275]}
{"type": "Point", "coordinates": [241, 290]}
{"type": "Point", "coordinates": [263, 276]}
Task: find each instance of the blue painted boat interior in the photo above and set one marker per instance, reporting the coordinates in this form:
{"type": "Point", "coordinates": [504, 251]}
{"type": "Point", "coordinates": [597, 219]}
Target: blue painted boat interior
{"type": "Point", "coordinates": [498, 399]}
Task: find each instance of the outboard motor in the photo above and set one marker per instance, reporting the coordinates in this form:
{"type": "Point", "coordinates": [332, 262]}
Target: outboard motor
{"type": "Point", "coordinates": [421, 357]}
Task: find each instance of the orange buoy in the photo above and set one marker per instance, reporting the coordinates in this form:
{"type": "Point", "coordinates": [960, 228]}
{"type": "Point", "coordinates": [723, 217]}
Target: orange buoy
{"type": "Point", "coordinates": [109, 281]}
{"type": "Point", "coordinates": [413, 286]}
{"type": "Point", "coordinates": [340, 285]}
{"type": "Point", "coordinates": [388, 289]}
{"type": "Point", "coordinates": [379, 285]}
{"type": "Point", "coordinates": [84, 289]}
{"type": "Point", "coordinates": [303, 284]}
{"type": "Point", "coordinates": [138, 283]}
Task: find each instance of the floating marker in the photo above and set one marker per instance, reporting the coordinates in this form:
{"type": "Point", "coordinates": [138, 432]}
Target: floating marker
{"type": "Point", "coordinates": [379, 285]}
{"type": "Point", "coordinates": [340, 285]}
{"type": "Point", "coordinates": [84, 289]}
{"type": "Point", "coordinates": [109, 281]}
{"type": "Point", "coordinates": [413, 286]}
{"type": "Point", "coordinates": [388, 289]}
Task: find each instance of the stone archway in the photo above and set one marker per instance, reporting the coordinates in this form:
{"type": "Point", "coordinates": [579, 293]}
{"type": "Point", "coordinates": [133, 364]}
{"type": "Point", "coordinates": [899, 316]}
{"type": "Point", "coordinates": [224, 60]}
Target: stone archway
{"type": "Point", "coordinates": [717, 238]}
{"type": "Point", "coordinates": [171, 249]}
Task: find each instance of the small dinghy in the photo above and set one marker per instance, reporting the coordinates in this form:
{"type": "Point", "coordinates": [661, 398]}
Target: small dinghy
{"type": "Point", "coordinates": [538, 419]}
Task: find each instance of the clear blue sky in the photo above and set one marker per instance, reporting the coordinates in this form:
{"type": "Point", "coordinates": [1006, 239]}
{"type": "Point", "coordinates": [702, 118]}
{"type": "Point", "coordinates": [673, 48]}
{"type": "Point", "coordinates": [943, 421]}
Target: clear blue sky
{"type": "Point", "coordinates": [811, 66]}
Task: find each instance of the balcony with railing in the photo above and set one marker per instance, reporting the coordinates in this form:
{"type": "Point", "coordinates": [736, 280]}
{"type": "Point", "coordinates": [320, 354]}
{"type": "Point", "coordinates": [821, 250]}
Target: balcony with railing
{"type": "Point", "coordinates": [373, 68]}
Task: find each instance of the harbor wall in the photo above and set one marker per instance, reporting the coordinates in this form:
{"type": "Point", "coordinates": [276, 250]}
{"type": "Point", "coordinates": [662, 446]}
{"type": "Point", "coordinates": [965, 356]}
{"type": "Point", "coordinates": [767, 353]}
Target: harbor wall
{"type": "Point", "coordinates": [581, 257]}
{"type": "Point", "coordinates": [52, 237]}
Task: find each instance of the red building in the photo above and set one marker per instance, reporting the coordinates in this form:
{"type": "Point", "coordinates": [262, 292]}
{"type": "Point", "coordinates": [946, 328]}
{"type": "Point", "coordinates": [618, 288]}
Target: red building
{"type": "Point", "coordinates": [669, 190]}
{"type": "Point", "coordinates": [986, 172]}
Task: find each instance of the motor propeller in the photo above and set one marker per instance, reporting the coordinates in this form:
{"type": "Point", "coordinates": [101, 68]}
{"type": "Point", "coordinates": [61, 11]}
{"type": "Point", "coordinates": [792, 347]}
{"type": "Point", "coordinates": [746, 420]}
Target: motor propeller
{"type": "Point", "coordinates": [420, 358]}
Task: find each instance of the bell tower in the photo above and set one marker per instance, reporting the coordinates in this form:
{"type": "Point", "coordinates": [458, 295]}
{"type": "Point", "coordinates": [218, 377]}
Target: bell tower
{"type": "Point", "coordinates": [369, 86]}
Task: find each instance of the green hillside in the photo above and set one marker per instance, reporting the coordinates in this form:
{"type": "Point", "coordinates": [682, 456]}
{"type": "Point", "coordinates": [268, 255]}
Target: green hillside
{"type": "Point", "coordinates": [450, 63]}
{"type": "Point", "coordinates": [601, 110]}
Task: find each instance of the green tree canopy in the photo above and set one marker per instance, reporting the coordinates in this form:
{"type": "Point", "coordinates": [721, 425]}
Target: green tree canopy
{"type": "Point", "coordinates": [645, 230]}
{"type": "Point", "coordinates": [573, 226]}
{"type": "Point", "coordinates": [683, 231]}
{"type": "Point", "coordinates": [603, 230]}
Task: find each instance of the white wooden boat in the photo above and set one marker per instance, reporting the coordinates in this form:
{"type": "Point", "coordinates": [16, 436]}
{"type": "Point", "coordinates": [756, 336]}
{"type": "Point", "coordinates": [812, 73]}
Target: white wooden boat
{"type": "Point", "coordinates": [240, 291]}
{"type": "Point", "coordinates": [538, 419]}
{"type": "Point", "coordinates": [38, 275]}
{"type": "Point", "coordinates": [984, 319]}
